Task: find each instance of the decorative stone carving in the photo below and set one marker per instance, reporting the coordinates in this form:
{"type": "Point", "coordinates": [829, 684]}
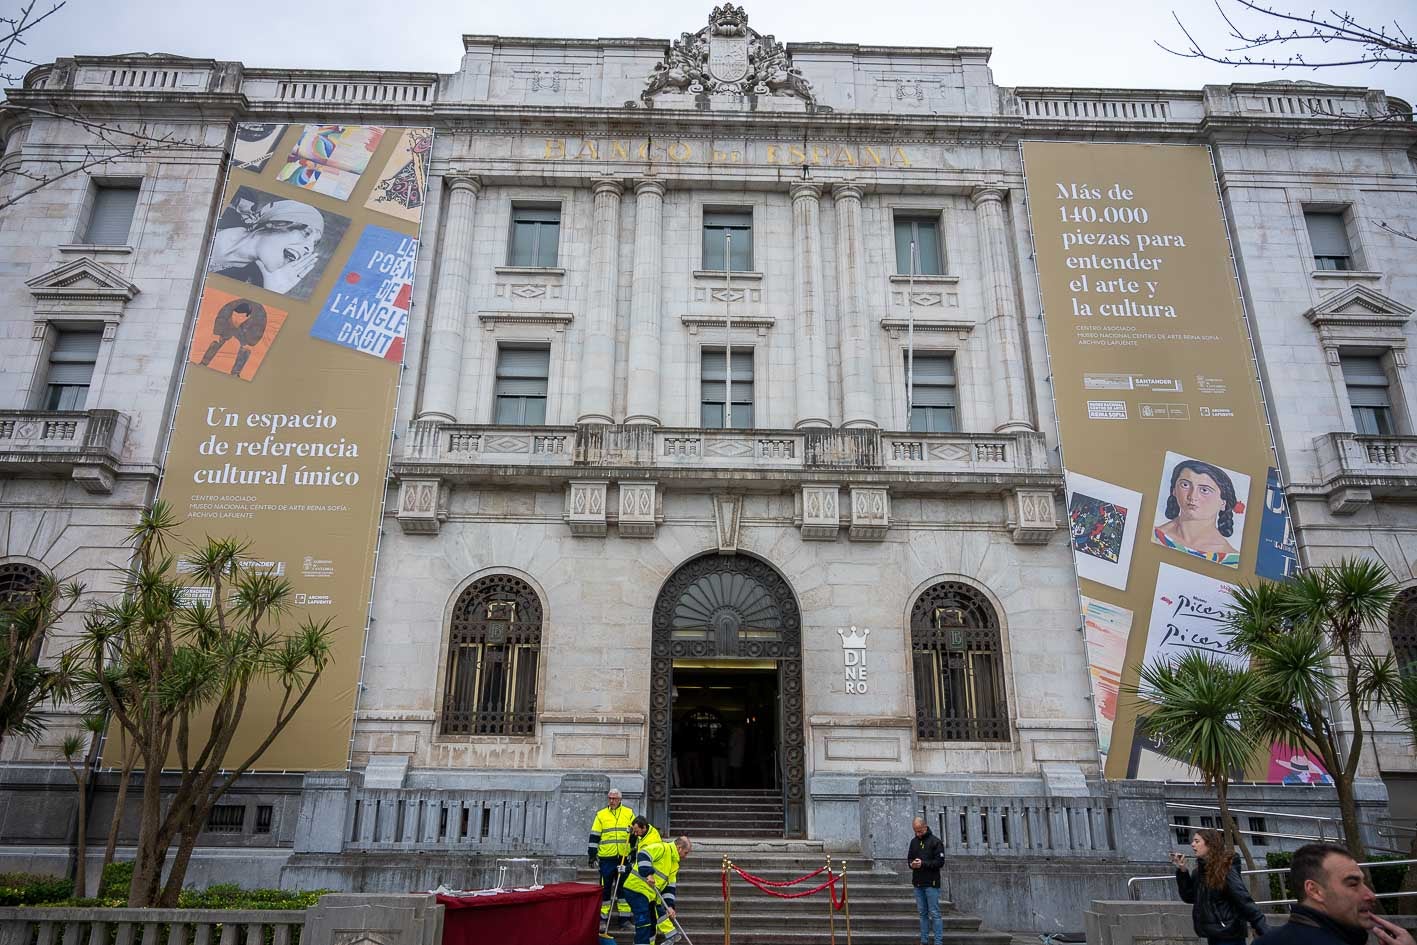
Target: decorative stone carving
{"type": "Point", "coordinates": [727, 517]}
{"type": "Point", "coordinates": [870, 513]}
{"type": "Point", "coordinates": [419, 511]}
{"type": "Point", "coordinates": [637, 509]}
{"type": "Point", "coordinates": [821, 512]}
{"type": "Point", "coordinates": [585, 507]}
{"type": "Point", "coordinates": [1361, 317]}
{"type": "Point", "coordinates": [83, 289]}
{"type": "Point", "coordinates": [727, 57]}
{"type": "Point", "coordinates": [1032, 516]}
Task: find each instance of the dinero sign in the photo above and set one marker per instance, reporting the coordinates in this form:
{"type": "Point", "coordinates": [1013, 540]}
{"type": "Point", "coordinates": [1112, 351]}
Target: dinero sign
{"type": "Point", "coordinates": [853, 652]}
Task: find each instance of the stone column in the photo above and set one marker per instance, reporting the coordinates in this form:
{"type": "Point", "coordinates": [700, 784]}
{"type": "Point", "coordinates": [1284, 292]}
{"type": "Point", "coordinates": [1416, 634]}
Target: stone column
{"type": "Point", "coordinates": [646, 291]}
{"type": "Point", "coordinates": [858, 363]}
{"type": "Point", "coordinates": [1002, 312]}
{"type": "Point", "coordinates": [598, 340]}
{"type": "Point", "coordinates": [811, 341]}
{"type": "Point", "coordinates": [442, 372]}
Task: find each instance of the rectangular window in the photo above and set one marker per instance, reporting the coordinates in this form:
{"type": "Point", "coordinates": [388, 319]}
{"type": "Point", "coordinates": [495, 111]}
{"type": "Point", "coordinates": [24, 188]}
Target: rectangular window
{"type": "Point", "coordinates": [71, 369]}
{"type": "Point", "coordinates": [731, 230]}
{"type": "Point", "coordinates": [521, 385]}
{"type": "Point", "coordinates": [1329, 238]}
{"type": "Point", "coordinates": [111, 216]}
{"type": "Point", "coordinates": [924, 232]}
{"type": "Point", "coordinates": [933, 402]}
{"type": "Point", "coordinates": [1258, 828]}
{"type": "Point", "coordinates": [536, 234]}
{"type": "Point", "coordinates": [226, 818]}
{"type": "Point", "coordinates": [1182, 829]}
{"type": "Point", "coordinates": [715, 389]}
{"type": "Point", "coordinates": [1368, 394]}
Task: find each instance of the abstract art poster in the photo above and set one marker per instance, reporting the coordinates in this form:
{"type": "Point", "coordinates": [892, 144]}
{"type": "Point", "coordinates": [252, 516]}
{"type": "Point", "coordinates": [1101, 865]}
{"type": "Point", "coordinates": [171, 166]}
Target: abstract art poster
{"type": "Point", "coordinates": [233, 333]}
{"type": "Point", "coordinates": [1200, 509]}
{"type": "Point", "coordinates": [1106, 628]}
{"type": "Point", "coordinates": [1278, 555]}
{"type": "Point", "coordinates": [328, 159]}
{"type": "Point", "coordinates": [1189, 615]}
{"type": "Point", "coordinates": [403, 182]}
{"type": "Point", "coordinates": [1102, 518]}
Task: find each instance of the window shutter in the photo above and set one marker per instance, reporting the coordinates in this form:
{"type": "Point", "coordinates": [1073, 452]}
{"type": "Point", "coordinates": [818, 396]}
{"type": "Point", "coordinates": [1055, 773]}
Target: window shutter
{"type": "Point", "coordinates": [1364, 369]}
{"type": "Point", "coordinates": [112, 215]}
{"type": "Point", "coordinates": [1327, 234]}
{"type": "Point", "coordinates": [72, 360]}
{"type": "Point", "coordinates": [522, 372]}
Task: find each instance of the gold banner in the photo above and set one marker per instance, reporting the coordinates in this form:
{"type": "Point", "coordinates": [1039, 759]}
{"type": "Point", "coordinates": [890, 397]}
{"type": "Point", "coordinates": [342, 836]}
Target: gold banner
{"type": "Point", "coordinates": [287, 404]}
{"type": "Point", "coordinates": [1164, 441]}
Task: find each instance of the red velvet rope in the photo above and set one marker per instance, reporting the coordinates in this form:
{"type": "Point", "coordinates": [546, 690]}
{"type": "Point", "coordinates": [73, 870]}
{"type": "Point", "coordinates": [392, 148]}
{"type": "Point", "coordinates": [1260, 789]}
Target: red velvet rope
{"type": "Point", "coordinates": [764, 886]}
{"type": "Point", "coordinates": [786, 882]}
{"type": "Point", "coordinates": [725, 884]}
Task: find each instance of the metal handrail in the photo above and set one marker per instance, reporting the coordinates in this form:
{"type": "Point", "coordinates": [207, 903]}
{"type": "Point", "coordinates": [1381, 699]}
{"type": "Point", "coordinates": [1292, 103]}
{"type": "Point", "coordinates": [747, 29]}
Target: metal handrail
{"type": "Point", "coordinates": [1377, 825]}
{"type": "Point", "coordinates": [1263, 833]}
{"type": "Point", "coordinates": [1132, 881]}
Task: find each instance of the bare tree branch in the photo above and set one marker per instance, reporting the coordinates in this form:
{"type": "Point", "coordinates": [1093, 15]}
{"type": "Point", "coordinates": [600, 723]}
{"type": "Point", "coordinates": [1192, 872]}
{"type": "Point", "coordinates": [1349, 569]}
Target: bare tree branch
{"type": "Point", "coordinates": [1351, 41]}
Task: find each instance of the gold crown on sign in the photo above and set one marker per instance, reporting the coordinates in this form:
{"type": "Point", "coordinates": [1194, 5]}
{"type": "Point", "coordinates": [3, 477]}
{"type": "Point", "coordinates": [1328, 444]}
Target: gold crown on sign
{"type": "Point", "coordinates": [853, 640]}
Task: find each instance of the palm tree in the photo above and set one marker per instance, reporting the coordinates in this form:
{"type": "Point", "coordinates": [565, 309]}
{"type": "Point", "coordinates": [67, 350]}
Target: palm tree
{"type": "Point", "coordinates": [1198, 707]}
{"type": "Point", "coordinates": [1304, 639]}
{"type": "Point", "coordinates": [74, 748]}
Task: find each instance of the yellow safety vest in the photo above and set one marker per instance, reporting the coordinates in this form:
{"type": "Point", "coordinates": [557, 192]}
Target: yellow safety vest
{"type": "Point", "coordinates": [610, 831]}
{"type": "Point", "coordinates": [651, 836]}
{"type": "Point", "coordinates": [655, 872]}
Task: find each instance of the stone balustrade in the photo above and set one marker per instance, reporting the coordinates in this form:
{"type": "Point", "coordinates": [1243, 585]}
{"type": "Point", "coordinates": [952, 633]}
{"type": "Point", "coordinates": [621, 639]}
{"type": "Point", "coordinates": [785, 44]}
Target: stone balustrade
{"type": "Point", "coordinates": [84, 926]}
{"type": "Point", "coordinates": [86, 444]}
{"type": "Point", "coordinates": [1023, 826]}
{"type": "Point", "coordinates": [1354, 469]}
{"type": "Point", "coordinates": [351, 88]}
{"type": "Point", "coordinates": [462, 821]}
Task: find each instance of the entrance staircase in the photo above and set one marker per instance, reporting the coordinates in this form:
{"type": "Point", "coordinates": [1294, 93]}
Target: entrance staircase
{"type": "Point", "coordinates": [881, 903]}
{"type": "Point", "coordinates": [721, 812]}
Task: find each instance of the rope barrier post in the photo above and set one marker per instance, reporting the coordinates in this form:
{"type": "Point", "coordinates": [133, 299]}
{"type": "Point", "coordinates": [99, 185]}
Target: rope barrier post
{"type": "Point", "coordinates": [727, 902]}
{"type": "Point", "coordinates": [831, 903]}
{"type": "Point", "coordinates": [846, 901]}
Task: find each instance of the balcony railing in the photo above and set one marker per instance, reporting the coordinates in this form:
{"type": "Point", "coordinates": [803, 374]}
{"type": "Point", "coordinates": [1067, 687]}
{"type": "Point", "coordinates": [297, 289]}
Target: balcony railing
{"type": "Point", "coordinates": [844, 450]}
{"type": "Point", "coordinates": [465, 821]}
{"type": "Point", "coordinates": [1023, 826]}
{"type": "Point", "coordinates": [88, 444]}
{"type": "Point", "coordinates": [1354, 469]}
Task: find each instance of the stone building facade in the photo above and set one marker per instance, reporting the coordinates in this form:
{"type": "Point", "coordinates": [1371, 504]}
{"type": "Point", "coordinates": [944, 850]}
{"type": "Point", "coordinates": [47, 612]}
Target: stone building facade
{"type": "Point", "coordinates": [612, 551]}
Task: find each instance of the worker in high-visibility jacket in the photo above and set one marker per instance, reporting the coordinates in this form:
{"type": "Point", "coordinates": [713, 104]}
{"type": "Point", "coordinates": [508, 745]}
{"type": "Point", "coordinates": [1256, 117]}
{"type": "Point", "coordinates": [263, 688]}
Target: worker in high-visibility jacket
{"type": "Point", "coordinates": [609, 848]}
{"type": "Point", "coordinates": [650, 889]}
{"type": "Point", "coordinates": [642, 834]}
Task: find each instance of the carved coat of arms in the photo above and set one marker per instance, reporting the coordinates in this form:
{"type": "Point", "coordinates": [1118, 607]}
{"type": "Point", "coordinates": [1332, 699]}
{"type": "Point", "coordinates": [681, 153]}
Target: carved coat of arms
{"type": "Point", "coordinates": [727, 57]}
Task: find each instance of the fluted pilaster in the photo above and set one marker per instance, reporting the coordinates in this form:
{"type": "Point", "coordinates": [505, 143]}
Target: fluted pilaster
{"type": "Point", "coordinates": [646, 290]}
{"type": "Point", "coordinates": [598, 340]}
{"type": "Point", "coordinates": [811, 338]}
{"type": "Point", "coordinates": [858, 364]}
{"type": "Point", "coordinates": [442, 374]}
{"type": "Point", "coordinates": [1002, 312]}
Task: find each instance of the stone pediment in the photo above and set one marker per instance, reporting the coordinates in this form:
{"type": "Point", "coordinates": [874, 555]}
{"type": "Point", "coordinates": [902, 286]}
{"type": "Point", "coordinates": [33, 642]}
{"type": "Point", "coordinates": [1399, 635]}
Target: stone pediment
{"type": "Point", "coordinates": [727, 57]}
{"type": "Point", "coordinates": [82, 285]}
{"type": "Point", "coordinates": [1359, 307]}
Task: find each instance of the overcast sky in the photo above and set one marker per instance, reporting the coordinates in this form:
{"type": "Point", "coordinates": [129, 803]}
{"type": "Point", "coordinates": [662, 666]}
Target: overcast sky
{"type": "Point", "coordinates": [1103, 43]}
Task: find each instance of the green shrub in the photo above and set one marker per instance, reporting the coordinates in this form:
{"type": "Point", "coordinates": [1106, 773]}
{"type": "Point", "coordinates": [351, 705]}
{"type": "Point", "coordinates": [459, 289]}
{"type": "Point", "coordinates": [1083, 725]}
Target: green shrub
{"type": "Point", "coordinates": [31, 889]}
{"type": "Point", "coordinates": [117, 877]}
{"type": "Point", "coordinates": [1386, 879]}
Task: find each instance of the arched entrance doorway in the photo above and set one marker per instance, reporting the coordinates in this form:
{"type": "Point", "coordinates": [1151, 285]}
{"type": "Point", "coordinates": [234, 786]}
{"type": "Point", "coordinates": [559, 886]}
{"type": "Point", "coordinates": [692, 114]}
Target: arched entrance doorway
{"type": "Point", "coordinates": [732, 619]}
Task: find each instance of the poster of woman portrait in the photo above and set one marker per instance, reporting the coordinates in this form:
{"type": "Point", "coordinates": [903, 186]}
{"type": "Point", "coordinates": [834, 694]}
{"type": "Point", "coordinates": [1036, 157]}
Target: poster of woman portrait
{"type": "Point", "coordinates": [1200, 510]}
{"type": "Point", "coordinates": [275, 243]}
{"type": "Point", "coordinates": [1102, 518]}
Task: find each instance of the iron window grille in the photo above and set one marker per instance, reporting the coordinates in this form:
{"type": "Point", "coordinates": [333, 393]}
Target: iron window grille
{"type": "Point", "coordinates": [493, 651]}
{"type": "Point", "coordinates": [958, 666]}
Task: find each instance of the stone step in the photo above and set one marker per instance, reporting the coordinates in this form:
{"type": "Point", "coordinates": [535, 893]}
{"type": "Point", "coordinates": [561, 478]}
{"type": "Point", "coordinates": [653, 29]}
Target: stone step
{"type": "Point", "coordinates": [862, 933]}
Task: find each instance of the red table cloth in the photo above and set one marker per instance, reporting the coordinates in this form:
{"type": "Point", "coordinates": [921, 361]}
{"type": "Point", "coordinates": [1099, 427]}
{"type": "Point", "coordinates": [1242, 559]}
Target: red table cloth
{"type": "Point", "coordinates": [558, 914]}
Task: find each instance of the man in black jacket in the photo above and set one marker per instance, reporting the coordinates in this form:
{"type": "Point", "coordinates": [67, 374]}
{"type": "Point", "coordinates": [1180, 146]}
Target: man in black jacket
{"type": "Point", "coordinates": [1335, 904]}
{"type": "Point", "coordinates": [926, 854]}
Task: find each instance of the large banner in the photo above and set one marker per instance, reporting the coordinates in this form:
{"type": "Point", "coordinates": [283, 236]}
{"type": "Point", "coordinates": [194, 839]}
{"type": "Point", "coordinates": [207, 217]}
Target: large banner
{"type": "Point", "coordinates": [1172, 493]}
{"type": "Point", "coordinates": [287, 403]}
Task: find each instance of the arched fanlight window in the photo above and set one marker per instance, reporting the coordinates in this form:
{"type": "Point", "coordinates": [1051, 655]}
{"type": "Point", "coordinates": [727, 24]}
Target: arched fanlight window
{"type": "Point", "coordinates": [19, 583]}
{"type": "Point", "coordinates": [958, 666]}
{"type": "Point", "coordinates": [492, 659]}
{"type": "Point", "coordinates": [1402, 627]}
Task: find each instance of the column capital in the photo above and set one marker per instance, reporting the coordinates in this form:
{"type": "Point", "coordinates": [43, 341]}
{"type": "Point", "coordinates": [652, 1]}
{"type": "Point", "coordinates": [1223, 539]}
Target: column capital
{"type": "Point", "coordinates": [607, 185]}
{"type": "Point", "coordinates": [463, 180]}
{"type": "Point", "coordinates": [847, 191]}
{"type": "Point", "coordinates": [650, 185]}
{"type": "Point", "coordinates": [988, 193]}
{"type": "Point", "coordinates": [805, 191]}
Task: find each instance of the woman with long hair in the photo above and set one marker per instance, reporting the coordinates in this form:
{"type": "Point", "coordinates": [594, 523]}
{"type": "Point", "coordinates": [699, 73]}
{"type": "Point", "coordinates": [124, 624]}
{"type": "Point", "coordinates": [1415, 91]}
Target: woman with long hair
{"type": "Point", "coordinates": [1221, 905]}
{"type": "Point", "coordinates": [1200, 513]}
